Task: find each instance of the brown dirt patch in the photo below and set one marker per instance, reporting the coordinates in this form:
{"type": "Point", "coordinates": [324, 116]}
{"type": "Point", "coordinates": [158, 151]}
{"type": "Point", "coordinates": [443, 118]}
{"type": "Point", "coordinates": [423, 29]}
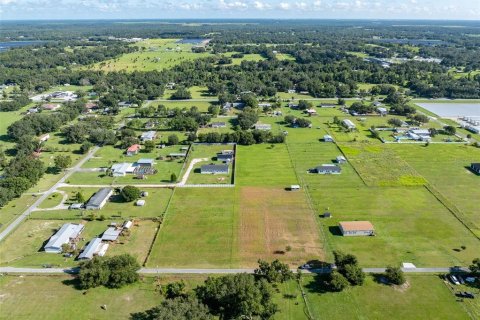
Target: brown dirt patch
{"type": "Point", "coordinates": [272, 219]}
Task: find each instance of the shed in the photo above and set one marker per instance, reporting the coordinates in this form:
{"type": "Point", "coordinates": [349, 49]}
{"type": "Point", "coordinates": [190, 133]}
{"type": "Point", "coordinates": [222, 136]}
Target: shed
{"type": "Point", "coordinates": [75, 206]}
{"type": "Point", "coordinates": [140, 203]}
{"type": "Point", "coordinates": [91, 249]}
{"type": "Point", "coordinates": [356, 228]}
{"type": "Point", "coordinates": [262, 126]}
{"type": "Point", "coordinates": [218, 125]}
{"type": "Point", "coordinates": [341, 159]}
{"type": "Point", "coordinates": [128, 224]}
{"type": "Point", "coordinates": [99, 199]}
{"type": "Point", "coordinates": [328, 138]}
{"type": "Point", "coordinates": [224, 157]}
{"type": "Point", "coordinates": [327, 215]}
{"type": "Point", "coordinates": [111, 234]}
{"type": "Point", "coordinates": [294, 187]}
{"type": "Point", "coordinates": [145, 162]}
{"type": "Point", "coordinates": [347, 123]}
{"type": "Point", "coordinates": [44, 137]}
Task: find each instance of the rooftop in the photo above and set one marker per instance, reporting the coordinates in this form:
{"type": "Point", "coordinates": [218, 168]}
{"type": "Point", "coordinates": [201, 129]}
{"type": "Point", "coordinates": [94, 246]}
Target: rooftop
{"type": "Point", "coordinates": [90, 249]}
{"type": "Point", "coordinates": [99, 197]}
{"type": "Point", "coordinates": [356, 225]}
{"type": "Point", "coordinates": [111, 234]}
{"type": "Point", "coordinates": [64, 234]}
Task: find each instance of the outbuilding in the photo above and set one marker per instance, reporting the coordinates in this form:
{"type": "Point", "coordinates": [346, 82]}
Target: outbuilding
{"type": "Point", "coordinates": [140, 203]}
{"type": "Point", "coordinates": [67, 233]}
{"type": "Point", "coordinates": [341, 159]}
{"type": "Point", "coordinates": [224, 157]}
{"type": "Point", "coordinates": [356, 228]}
{"type": "Point", "coordinates": [99, 199]}
{"type": "Point", "coordinates": [218, 125]}
{"type": "Point", "coordinates": [262, 126]}
{"type": "Point", "coordinates": [294, 187]}
{"type": "Point", "coordinates": [327, 138]}
{"type": "Point", "coordinates": [148, 136]}
{"type": "Point", "coordinates": [347, 123]}
{"type": "Point", "coordinates": [327, 169]}
{"type": "Point", "coordinates": [91, 249]}
{"type": "Point", "coordinates": [111, 234]}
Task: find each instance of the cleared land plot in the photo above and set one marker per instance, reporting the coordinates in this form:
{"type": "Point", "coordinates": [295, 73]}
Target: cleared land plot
{"type": "Point", "coordinates": [54, 298]}
{"type": "Point", "coordinates": [272, 219]}
{"type": "Point", "coordinates": [379, 165]}
{"type": "Point", "coordinates": [425, 298]}
{"type": "Point", "coordinates": [172, 104]}
{"type": "Point", "coordinates": [156, 203]}
{"type": "Point", "coordinates": [200, 230]}
{"type": "Point", "coordinates": [264, 165]}
{"type": "Point", "coordinates": [410, 226]}
{"type": "Point", "coordinates": [446, 167]}
{"type": "Point", "coordinates": [153, 54]}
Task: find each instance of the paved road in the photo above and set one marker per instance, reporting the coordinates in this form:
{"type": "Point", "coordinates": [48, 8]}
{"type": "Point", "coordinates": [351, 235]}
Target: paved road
{"type": "Point", "coordinates": [45, 195]}
{"type": "Point", "coordinates": [214, 271]}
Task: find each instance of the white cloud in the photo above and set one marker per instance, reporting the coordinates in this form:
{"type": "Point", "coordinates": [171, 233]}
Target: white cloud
{"type": "Point", "coordinates": [261, 5]}
{"type": "Point", "coordinates": [284, 5]}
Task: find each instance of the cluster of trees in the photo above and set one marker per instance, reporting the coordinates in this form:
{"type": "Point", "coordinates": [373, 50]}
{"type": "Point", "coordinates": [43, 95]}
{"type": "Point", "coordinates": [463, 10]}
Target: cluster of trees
{"type": "Point", "coordinates": [130, 193]}
{"type": "Point", "coordinates": [348, 272]}
{"type": "Point", "coordinates": [111, 272]}
{"type": "Point", "coordinates": [94, 130]}
{"type": "Point", "coordinates": [17, 102]}
{"type": "Point", "coordinates": [300, 122]}
{"type": "Point", "coordinates": [242, 137]}
{"type": "Point", "coordinates": [238, 296]}
{"type": "Point", "coordinates": [187, 120]}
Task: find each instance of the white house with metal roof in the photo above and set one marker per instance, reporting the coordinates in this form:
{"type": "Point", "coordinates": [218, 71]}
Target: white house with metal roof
{"type": "Point", "coordinates": [67, 233]}
{"type": "Point", "coordinates": [148, 136]}
{"type": "Point", "coordinates": [94, 248]}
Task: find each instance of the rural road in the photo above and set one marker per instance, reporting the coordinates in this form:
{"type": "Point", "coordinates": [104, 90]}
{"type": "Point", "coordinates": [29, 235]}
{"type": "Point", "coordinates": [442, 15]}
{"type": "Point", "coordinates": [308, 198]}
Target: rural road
{"type": "Point", "coordinates": [214, 271]}
{"type": "Point", "coordinates": [46, 194]}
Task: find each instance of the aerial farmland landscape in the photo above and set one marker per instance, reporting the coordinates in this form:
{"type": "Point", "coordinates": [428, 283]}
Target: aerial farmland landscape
{"type": "Point", "coordinates": [270, 165]}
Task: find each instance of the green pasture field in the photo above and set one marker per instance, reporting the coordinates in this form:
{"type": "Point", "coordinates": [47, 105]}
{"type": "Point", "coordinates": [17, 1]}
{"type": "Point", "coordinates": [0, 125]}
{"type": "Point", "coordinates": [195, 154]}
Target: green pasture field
{"type": "Point", "coordinates": [199, 230]}
{"type": "Point", "coordinates": [6, 119]}
{"type": "Point", "coordinates": [198, 92]}
{"type": "Point", "coordinates": [380, 165]}
{"type": "Point", "coordinates": [152, 54]}
{"type": "Point", "coordinates": [264, 165]}
{"type": "Point", "coordinates": [446, 168]}
{"type": "Point", "coordinates": [425, 297]}
{"type": "Point", "coordinates": [410, 226]}
{"type": "Point", "coordinates": [15, 208]}
{"type": "Point", "coordinates": [246, 57]}
{"type": "Point", "coordinates": [55, 298]}
{"type": "Point", "coordinates": [156, 203]}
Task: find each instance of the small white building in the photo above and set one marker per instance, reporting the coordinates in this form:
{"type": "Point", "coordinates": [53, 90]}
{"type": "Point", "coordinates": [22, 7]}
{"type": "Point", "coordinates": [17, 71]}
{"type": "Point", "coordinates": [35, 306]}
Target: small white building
{"type": "Point", "coordinates": [294, 187]}
{"type": "Point", "coordinates": [140, 203]}
{"type": "Point", "coordinates": [148, 136]}
{"type": "Point", "coordinates": [44, 137]}
{"type": "Point", "coordinates": [347, 123]}
{"type": "Point", "coordinates": [262, 126]}
{"type": "Point", "coordinates": [328, 138]}
{"type": "Point", "coordinates": [341, 159]}
{"type": "Point", "coordinates": [121, 169]}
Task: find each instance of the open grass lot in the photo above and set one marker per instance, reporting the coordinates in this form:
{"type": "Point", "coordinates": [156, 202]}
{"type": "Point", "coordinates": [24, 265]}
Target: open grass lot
{"type": "Point", "coordinates": [264, 165]}
{"type": "Point", "coordinates": [272, 219]}
{"type": "Point", "coordinates": [52, 298]}
{"type": "Point", "coordinates": [199, 230]}
{"type": "Point", "coordinates": [445, 167]}
{"type": "Point", "coordinates": [171, 104]}
{"type": "Point", "coordinates": [152, 54]}
{"type": "Point", "coordinates": [198, 92]}
{"type": "Point", "coordinates": [156, 203]}
{"type": "Point", "coordinates": [380, 165]}
{"type": "Point", "coordinates": [138, 242]}
{"type": "Point", "coordinates": [426, 298]}
{"type": "Point", "coordinates": [53, 200]}
{"type": "Point", "coordinates": [410, 225]}
{"type": "Point", "coordinates": [14, 208]}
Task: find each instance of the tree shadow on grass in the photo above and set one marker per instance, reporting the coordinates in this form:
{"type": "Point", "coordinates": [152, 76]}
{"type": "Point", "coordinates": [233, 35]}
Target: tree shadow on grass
{"type": "Point", "coordinates": [380, 279]}
{"type": "Point", "coordinates": [74, 283]}
{"type": "Point", "coordinates": [318, 284]}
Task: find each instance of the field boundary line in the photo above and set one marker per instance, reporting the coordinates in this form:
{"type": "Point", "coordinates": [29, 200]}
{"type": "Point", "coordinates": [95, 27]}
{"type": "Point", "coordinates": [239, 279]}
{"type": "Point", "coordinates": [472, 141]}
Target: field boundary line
{"type": "Point", "coordinates": [351, 164]}
{"type": "Point", "coordinates": [450, 207]}
{"type": "Point", "coordinates": [163, 217]}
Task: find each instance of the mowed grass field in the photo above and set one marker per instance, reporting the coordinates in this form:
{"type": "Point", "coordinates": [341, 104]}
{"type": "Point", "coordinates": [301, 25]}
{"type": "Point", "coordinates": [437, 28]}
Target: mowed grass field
{"type": "Point", "coordinates": [152, 54]}
{"type": "Point", "coordinates": [446, 168]}
{"type": "Point", "coordinates": [199, 230]}
{"type": "Point", "coordinates": [54, 297]}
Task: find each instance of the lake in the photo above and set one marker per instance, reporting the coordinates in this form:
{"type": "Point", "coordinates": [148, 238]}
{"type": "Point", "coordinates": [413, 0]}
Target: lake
{"type": "Point", "coordinates": [453, 110]}
{"type": "Point", "coordinates": [15, 44]}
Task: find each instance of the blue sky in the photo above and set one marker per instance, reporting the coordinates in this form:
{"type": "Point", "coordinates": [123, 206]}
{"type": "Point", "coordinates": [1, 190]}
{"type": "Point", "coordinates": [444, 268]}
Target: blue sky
{"type": "Point", "coordinates": [201, 9]}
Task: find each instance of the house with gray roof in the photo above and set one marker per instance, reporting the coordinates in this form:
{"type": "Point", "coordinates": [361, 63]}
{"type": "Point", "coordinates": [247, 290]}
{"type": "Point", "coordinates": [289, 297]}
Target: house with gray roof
{"type": "Point", "coordinates": [111, 234]}
{"type": "Point", "coordinates": [214, 169]}
{"type": "Point", "coordinates": [148, 136]}
{"type": "Point", "coordinates": [66, 234]}
{"type": "Point", "coordinates": [327, 169]}
{"type": "Point", "coordinates": [99, 199]}
{"type": "Point", "coordinates": [91, 249]}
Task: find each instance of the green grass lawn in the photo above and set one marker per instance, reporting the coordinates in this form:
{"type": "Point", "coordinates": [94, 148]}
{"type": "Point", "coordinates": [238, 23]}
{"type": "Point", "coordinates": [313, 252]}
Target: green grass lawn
{"type": "Point", "coordinates": [152, 54]}
{"type": "Point", "coordinates": [209, 152]}
{"type": "Point", "coordinates": [53, 200]}
{"type": "Point", "coordinates": [410, 225]}
{"type": "Point", "coordinates": [171, 104]}
{"type": "Point", "coordinates": [15, 208]}
{"type": "Point", "coordinates": [198, 231]}
{"type": "Point", "coordinates": [445, 167]}
{"type": "Point", "coordinates": [425, 298]}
